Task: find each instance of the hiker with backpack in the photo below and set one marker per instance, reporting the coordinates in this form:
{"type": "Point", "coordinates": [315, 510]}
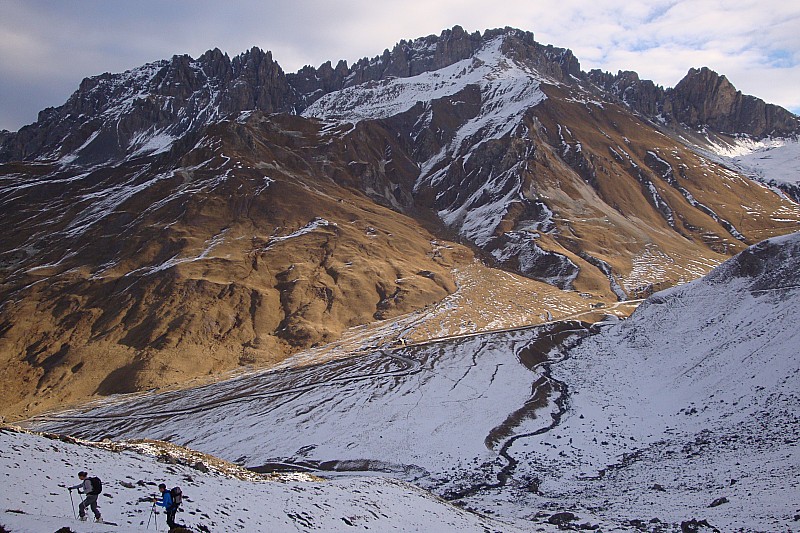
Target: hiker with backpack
{"type": "Point", "coordinates": [91, 487]}
{"type": "Point", "coordinates": [170, 501]}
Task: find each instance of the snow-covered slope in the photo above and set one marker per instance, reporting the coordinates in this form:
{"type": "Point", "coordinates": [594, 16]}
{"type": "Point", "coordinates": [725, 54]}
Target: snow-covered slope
{"type": "Point", "coordinates": [691, 402]}
{"type": "Point", "coordinates": [768, 159]}
{"type": "Point", "coordinates": [508, 89]}
{"type": "Point", "coordinates": [774, 161]}
{"type": "Point", "coordinates": [420, 413]}
{"type": "Point", "coordinates": [37, 470]}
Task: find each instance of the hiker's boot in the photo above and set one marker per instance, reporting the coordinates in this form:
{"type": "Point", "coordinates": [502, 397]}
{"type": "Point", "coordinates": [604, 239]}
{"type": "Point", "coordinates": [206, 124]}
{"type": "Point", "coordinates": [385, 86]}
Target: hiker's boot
{"type": "Point", "coordinates": [82, 519]}
{"type": "Point", "coordinates": [98, 519]}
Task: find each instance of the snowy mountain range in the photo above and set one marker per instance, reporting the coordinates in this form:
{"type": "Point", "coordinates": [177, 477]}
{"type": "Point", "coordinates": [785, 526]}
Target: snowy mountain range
{"type": "Point", "coordinates": [194, 216]}
{"type": "Point", "coordinates": [392, 270]}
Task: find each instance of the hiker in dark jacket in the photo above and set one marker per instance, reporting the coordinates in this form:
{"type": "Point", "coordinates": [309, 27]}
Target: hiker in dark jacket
{"type": "Point", "coordinates": [169, 506]}
{"type": "Point", "coordinates": [86, 487]}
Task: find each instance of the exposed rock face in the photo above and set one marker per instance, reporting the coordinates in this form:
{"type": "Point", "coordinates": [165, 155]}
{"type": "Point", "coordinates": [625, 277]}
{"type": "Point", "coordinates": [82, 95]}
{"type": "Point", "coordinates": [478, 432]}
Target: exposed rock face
{"type": "Point", "coordinates": [792, 190]}
{"type": "Point", "coordinates": [141, 111]}
{"type": "Point", "coordinates": [258, 83]}
{"type": "Point", "coordinates": [557, 63]}
{"type": "Point", "coordinates": [643, 96]}
{"type": "Point", "coordinates": [702, 98]}
{"type": "Point", "coordinates": [407, 58]}
{"type": "Point", "coordinates": [705, 97]}
{"type": "Point", "coordinates": [114, 116]}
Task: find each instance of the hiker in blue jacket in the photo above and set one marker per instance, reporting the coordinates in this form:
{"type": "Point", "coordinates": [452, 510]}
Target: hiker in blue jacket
{"type": "Point", "coordinates": [87, 488]}
{"type": "Point", "coordinates": [169, 506]}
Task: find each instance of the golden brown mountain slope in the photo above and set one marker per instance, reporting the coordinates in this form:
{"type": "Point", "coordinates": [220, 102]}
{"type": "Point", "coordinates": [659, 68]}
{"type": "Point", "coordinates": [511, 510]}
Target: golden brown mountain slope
{"type": "Point", "coordinates": [243, 254]}
{"type": "Point", "coordinates": [655, 211]}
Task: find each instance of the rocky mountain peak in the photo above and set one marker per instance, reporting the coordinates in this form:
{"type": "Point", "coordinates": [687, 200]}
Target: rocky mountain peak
{"type": "Point", "coordinates": [548, 60]}
{"type": "Point", "coordinates": [431, 53]}
{"type": "Point", "coordinates": [260, 84]}
{"type": "Point", "coordinates": [405, 59]}
{"type": "Point", "coordinates": [217, 63]}
{"type": "Point", "coordinates": [410, 58]}
{"type": "Point", "coordinates": [704, 97]}
{"type": "Point", "coordinates": [113, 116]}
{"type": "Point", "coordinates": [143, 110]}
{"type": "Point", "coordinates": [640, 95]}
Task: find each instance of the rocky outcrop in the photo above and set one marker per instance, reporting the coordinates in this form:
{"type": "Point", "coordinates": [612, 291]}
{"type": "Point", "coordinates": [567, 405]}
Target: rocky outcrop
{"type": "Point", "coordinates": [113, 116]}
{"type": "Point", "coordinates": [548, 60]}
{"type": "Point", "coordinates": [792, 190]}
{"type": "Point", "coordinates": [702, 98]}
{"type": "Point", "coordinates": [426, 54]}
{"type": "Point", "coordinates": [312, 83]}
{"type": "Point", "coordinates": [520, 251]}
{"type": "Point", "coordinates": [258, 84]}
{"type": "Point", "coordinates": [642, 96]}
{"type": "Point", "coordinates": [409, 58]}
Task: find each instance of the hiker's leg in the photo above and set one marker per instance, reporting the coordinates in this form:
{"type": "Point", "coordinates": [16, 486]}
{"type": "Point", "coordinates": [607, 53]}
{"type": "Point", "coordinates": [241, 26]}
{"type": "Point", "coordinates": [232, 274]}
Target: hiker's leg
{"type": "Point", "coordinates": [92, 501]}
{"type": "Point", "coordinates": [171, 517]}
{"type": "Point", "coordinates": [82, 507]}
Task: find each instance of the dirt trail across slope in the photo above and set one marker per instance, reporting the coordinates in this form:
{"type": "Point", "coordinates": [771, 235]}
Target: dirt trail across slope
{"type": "Point", "coordinates": [248, 392]}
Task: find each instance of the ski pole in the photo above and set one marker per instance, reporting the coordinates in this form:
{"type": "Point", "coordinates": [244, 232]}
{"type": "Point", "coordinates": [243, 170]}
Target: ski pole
{"type": "Point", "coordinates": [73, 505]}
{"type": "Point", "coordinates": [153, 515]}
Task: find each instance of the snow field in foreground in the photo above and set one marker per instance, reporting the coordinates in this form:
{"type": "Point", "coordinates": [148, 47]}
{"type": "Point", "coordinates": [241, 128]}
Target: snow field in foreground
{"type": "Point", "coordinates": [36, 470]}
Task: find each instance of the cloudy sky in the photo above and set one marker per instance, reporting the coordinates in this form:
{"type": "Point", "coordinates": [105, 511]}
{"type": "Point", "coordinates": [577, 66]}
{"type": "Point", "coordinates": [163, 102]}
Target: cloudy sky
{"type": "Point", "coordinates": [48, 46]}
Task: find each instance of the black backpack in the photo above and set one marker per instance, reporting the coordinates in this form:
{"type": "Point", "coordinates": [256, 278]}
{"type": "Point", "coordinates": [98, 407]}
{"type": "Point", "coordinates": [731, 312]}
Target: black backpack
{"type": "Point", "coordinates": [97, 485]}
{"type": "Point", "coordinates": [177, 496]}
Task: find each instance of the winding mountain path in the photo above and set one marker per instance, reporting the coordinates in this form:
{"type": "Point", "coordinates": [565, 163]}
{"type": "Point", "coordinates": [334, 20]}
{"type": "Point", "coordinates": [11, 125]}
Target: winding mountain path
{"type": "Point", "coordinates": [407, 366]}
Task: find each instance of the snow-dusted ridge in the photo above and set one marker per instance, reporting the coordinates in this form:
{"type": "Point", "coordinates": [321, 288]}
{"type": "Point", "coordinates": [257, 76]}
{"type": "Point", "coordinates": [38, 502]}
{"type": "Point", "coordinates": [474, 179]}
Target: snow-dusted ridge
{"type": "Point", "coordinates": [508, 89]}
{"type": "Point", "coordinates": [697, 401]}
{"type": "Point", "coordinates": [502, 81]}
